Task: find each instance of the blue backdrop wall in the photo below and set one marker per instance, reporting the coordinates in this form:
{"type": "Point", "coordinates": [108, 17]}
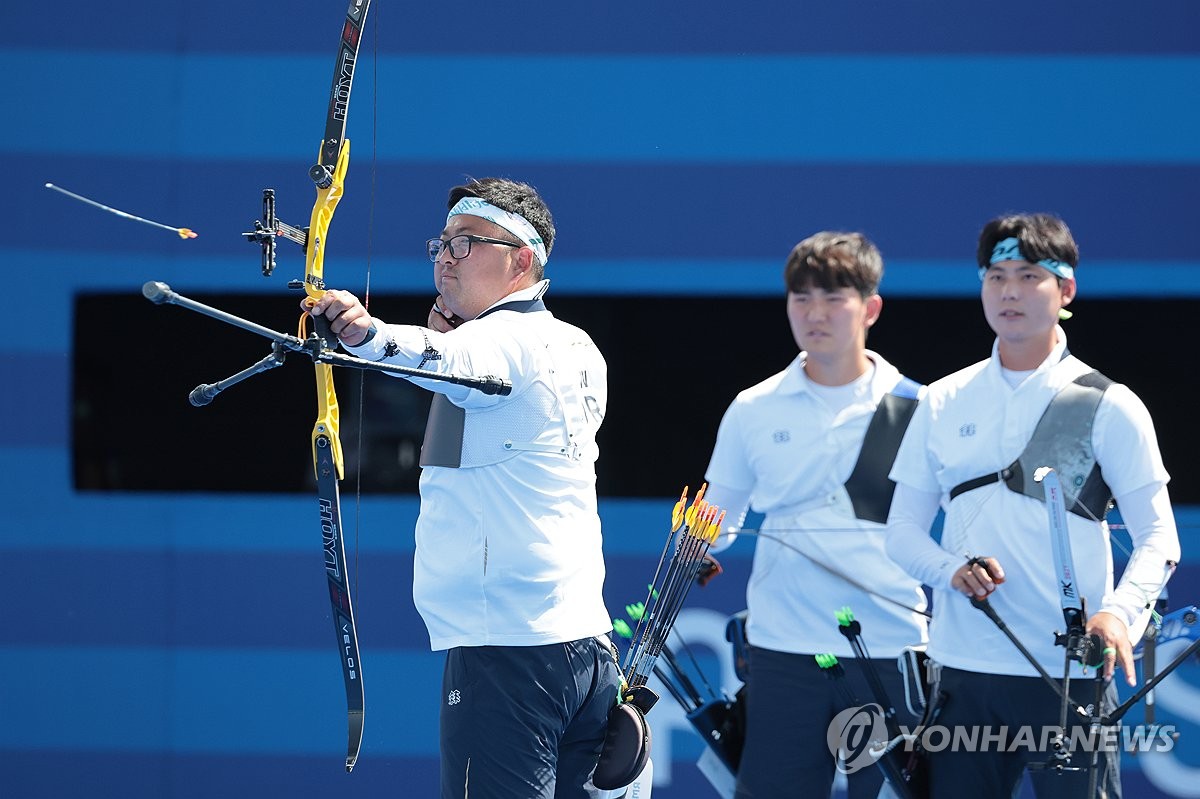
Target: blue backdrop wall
{"type": "Point", "coordinates": [178, 644]}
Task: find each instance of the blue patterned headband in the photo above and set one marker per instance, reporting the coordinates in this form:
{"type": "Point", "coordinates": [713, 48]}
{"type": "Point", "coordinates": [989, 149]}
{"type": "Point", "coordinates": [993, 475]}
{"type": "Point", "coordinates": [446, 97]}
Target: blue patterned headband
{"type": "Point", "coordinates": [1010, 250]}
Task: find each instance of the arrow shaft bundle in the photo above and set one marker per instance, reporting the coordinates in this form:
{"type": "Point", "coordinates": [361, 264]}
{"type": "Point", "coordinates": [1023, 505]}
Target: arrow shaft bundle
{"type": "Point", "coordinates": [692, 533]}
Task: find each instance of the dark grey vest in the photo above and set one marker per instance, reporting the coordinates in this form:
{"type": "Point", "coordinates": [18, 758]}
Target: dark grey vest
{"type": "Point", "coordinates": [1063, 440]}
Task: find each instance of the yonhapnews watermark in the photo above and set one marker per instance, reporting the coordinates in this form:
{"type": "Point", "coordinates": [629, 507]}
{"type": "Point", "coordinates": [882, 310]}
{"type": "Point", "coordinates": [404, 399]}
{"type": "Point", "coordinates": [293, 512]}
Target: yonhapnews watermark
{"type": "Point", "coordinates": [858, 738]}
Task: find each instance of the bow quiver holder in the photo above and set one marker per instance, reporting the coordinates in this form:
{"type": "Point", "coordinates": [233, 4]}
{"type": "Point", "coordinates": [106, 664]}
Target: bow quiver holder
{"type": "Point", "coordinates": [720, 720]}
{"type": "Point", "coordinates": [627, 742]}
{"type": "Point", "coordinates": [902, 770]}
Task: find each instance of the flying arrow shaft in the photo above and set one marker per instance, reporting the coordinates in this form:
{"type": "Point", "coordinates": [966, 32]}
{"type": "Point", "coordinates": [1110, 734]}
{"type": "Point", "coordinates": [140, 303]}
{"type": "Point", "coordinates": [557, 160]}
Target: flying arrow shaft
{"type": "Point", "coordinates": [184, 233]}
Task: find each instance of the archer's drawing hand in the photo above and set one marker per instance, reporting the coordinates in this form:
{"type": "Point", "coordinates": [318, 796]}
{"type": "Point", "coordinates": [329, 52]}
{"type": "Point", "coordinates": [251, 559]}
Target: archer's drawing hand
{"type": "Point", "coordinates": [1118, 651]}
{"type": "Point", "coordinates": [347, 317]}
{"type": "Point", "coordinates": [441, 318]}
{"type": "Point", "coordinates": [709, 568]}
{"type": "Point", "coordinates": [978, 577]}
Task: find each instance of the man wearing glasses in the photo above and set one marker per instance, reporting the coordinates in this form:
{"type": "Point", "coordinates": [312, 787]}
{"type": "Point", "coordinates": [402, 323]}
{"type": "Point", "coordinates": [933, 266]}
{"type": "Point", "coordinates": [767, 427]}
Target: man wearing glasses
{"type": "Point", "coordinates": [508, 568]}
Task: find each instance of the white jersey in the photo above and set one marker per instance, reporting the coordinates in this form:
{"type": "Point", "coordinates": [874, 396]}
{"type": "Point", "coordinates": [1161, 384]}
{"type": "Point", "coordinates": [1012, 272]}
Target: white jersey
{"type": "Point", "coordinates": [972, 423]}
{"type": "Point", "coordinates": [508, 543]}
{"type": "Point", "coordinates": [784, 448]}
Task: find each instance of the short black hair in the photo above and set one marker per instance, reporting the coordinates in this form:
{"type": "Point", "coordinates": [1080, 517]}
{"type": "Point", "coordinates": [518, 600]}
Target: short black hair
{"type": "Point", "coordinates": [833, 259]}
{"type": "Point", "coordinates": [1041, 236]}
{"type": "Point", "coordinates": [514, 197]}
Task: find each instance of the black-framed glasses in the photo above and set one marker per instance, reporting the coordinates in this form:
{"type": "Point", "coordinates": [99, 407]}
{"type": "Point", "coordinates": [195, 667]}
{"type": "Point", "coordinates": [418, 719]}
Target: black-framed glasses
{"type": "Point", "coordinates": [460, 246]}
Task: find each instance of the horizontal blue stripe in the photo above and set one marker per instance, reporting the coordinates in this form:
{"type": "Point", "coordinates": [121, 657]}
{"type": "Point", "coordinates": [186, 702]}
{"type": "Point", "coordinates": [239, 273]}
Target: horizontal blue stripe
{"type": "Point", "coordinates": [648, 110]}
{"type": "Point", "coordinates": [707, 26]}
{"type": "Point", "coordinates": [191, 702]}
{"type": "Point", "coordinates": [214, 701]}
{"type": "Point", "coordinates": [181, 775]}
{"type": "Point", "coordinates": [64, 520]}
{"type": "Point", "coordinates": [37, 406]}
{"type": "Point", "coordinates": [165, 774]}
{"type": "Point", "coordinates": [185, 596]}
{"type": "Point", "coordinates": [267, 600]}
{"type": "Point", "coordinates": [210, 600]}
{"type": "Point", "coordinates": [609, 212]}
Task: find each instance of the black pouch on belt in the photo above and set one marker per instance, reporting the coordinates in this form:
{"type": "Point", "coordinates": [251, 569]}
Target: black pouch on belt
{"type": "Point", "coordinates": [627, 742]}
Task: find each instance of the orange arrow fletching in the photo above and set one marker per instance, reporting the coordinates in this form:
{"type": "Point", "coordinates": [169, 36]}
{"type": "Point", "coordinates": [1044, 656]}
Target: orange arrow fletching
{"type": "Point", "coordinates": [677, 513]}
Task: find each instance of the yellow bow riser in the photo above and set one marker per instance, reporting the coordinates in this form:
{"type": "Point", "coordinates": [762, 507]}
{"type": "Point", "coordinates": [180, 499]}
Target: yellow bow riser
{"type": "Point", "coordinates": [327, 424]}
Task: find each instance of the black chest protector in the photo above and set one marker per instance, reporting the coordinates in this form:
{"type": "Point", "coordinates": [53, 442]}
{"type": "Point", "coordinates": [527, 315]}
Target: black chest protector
{"type": "Point", "coordinates": [446, 423]}
{"type": "Point", "coordinates": [1063, 440]}
{"type": "Point", "coordinates": [869, 488]}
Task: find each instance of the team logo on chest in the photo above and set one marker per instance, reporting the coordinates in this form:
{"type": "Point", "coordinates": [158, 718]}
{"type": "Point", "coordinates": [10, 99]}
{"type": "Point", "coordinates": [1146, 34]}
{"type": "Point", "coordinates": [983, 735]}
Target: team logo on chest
{"type": "Point", "coordinates": [781, 436]}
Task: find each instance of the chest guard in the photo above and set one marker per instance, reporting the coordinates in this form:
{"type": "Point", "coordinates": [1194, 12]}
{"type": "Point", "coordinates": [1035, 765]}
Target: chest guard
{"type": "Point", "coordinates": [457, 438]}
{"type": "Point", "coordinates": [868, 486]}
{"type": "Point", "coordinates": [1063, 440]}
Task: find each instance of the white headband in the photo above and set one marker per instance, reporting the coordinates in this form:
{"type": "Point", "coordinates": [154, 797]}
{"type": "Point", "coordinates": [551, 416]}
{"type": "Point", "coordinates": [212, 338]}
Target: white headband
{"type": "Point", "coordinates": [514, 223]}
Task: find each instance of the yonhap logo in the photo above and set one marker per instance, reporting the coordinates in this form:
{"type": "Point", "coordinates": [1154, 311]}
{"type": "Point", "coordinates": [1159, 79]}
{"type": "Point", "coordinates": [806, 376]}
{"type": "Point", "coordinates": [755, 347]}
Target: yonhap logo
{"type": "Point", "coordinates": [855, 736]}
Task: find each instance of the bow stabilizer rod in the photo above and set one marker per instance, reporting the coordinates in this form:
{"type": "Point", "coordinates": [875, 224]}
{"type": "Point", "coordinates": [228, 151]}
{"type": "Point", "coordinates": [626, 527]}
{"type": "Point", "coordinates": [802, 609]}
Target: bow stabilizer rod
{"type": "Point", "coordinates": [160, 293]}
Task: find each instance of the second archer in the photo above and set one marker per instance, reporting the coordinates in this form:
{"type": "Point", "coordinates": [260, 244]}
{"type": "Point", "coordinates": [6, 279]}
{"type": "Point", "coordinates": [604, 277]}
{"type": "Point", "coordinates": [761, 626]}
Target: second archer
{"type": "Point", "coordinates": [811, 448]}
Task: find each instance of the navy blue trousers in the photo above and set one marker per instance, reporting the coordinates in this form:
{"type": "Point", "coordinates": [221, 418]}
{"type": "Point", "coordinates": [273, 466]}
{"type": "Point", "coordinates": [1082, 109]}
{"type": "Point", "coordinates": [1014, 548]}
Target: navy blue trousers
{"type": "Point", "coordinates": [995, 701]}
{"type": "Point", "coordinates": [790, 703]}
{"type": "Point", "coordinates": [525, 722]}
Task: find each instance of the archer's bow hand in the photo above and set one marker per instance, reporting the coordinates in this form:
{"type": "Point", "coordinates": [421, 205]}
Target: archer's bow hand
{"type": "Point", "coordinates": [347, 318]}
{"type": "Point", "coordinates": [978, 577]}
